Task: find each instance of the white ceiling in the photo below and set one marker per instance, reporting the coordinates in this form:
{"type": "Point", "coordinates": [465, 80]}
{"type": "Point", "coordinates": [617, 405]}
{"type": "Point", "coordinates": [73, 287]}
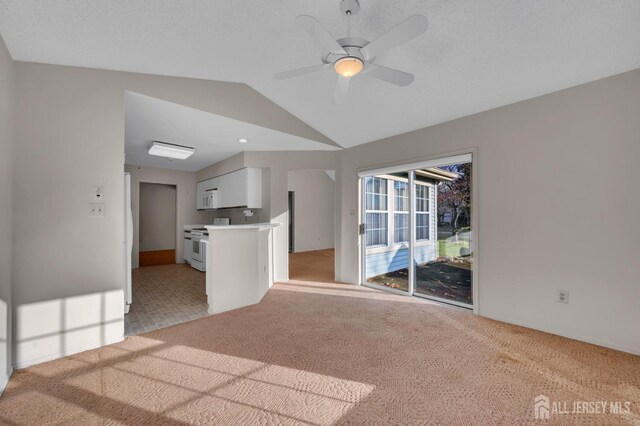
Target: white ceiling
{"type": "Point", "coordinates": [476, 55]}
{"type": "Point", "coordinates": [213, 136]}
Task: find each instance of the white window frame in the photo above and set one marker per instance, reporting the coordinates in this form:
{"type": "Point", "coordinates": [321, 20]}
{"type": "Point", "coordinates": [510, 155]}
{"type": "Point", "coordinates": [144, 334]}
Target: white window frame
{"type": "Point", "coordinates": [391, 244]}
{"type": "Point", "coordinates": [394, 212]}
{"type": "Point", "coordinates": [367, 211]}
{"type": "Point", "coordinates": [430, 206]}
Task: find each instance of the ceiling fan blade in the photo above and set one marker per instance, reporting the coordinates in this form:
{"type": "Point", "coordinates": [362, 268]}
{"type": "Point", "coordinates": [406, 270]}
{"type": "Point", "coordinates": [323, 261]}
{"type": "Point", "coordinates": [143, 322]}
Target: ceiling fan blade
{"type": "Point", "coordinates": [399, 78]}
{"type": "Point", "coordinates": [300, 71]}
{"type": "Point", "coordinates": [319, 33]}
{"type": "Point", "coordinates": [342, 87]}
{"type": "Point", "coordinates": [411, 28]}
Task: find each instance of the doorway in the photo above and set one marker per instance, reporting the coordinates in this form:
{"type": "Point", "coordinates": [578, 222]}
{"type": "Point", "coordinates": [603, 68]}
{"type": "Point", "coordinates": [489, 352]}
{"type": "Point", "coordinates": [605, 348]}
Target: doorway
{"type": "Point", "coordinates": [292, 215]}
{"type": "Point", "coordinates": [311, 225]}
{"type": "Point", "coordinates": [157, 224]}
{"type": "Point", "coordinates": [417, 233]}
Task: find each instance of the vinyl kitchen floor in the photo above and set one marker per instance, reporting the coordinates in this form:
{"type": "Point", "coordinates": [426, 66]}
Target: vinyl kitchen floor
{"type": "Point", "coordinates": [163, 296]}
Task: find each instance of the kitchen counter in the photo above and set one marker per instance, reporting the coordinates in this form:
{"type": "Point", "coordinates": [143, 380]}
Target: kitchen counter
{"type": "Point", "coordinates": [242, 226]}
{"type": "Point", "coordinates": [239, 265]}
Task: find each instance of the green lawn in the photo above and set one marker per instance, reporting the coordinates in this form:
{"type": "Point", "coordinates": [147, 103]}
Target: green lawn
{"type": "Point", "coordinates": [450, 249]}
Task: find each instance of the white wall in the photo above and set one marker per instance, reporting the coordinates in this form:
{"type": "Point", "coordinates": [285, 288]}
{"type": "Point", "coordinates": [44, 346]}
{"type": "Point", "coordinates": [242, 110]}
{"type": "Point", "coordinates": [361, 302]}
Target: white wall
{"type": "Point", "coordinates": [69, 136]}
{"type": "Point", "coordinates": [558, 207]}
{"type": "Point", "coordinates": [185, 183]}
{"type": "Point", "coordinates": [314, 209]}
{"type": "Point", "coordinates": [6, 202]}
{"type": "Point", "coordinates": [157, 207]}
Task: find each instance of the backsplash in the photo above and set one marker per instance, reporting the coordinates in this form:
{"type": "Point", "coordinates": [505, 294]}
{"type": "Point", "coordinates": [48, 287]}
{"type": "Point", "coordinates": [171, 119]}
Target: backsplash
{"type": "Point", "coordinates": [236, 216]}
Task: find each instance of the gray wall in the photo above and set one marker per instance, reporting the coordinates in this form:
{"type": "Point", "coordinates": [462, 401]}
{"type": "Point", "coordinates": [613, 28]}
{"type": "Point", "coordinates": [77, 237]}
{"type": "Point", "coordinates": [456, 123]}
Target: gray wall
{"type": "Point", "coordinates": [558, 207]}
{"type": "Point", "coordinates": [157, 217]}
{"type": "Point", "coordinates": [6, 202]}
{"type": "Point", "coordinates": [69, 133]}
{"type": "Point", "coordinates": [314, 209]}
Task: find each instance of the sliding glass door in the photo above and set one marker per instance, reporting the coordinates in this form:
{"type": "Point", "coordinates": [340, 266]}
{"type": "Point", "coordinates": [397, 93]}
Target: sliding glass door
{"type": "Point", "coordinates": [443, 256]}
{"type": "Point", "coordinates": [417, 233]}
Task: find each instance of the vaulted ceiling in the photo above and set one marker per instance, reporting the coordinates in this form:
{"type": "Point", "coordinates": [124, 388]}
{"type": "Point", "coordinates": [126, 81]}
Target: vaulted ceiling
{"type": "Point", "coordinates": [476, 55]}
{"type": "Point", "coordinates": [213, 136]}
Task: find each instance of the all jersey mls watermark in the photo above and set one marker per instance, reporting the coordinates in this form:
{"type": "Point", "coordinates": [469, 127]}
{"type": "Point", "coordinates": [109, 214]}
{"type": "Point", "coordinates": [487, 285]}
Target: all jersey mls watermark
{"type": "Point", "coordinates": [543, 408]}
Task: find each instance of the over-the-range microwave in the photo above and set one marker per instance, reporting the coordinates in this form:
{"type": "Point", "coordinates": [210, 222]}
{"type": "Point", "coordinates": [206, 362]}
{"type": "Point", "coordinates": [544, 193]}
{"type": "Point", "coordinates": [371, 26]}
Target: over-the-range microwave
{"type": "Point", "coordinates": [210, 199]}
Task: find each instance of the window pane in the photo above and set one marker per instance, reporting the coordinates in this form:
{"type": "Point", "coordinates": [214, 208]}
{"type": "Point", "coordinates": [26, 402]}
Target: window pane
{"type": "Point", "coordinates": [401, 196]}
{"type": "Point", "coordinates": [400, 227]}
{"type": "Point", "coordinates": [376, 229]}
{"type": "Point", "coordinates": [422, 226]}
{"type": "Point", "coordinates": [375, 193]}
{"type": "Point", "coordinates": [422, 198]}
{"type": "Point", "coordinates": [443, 266]}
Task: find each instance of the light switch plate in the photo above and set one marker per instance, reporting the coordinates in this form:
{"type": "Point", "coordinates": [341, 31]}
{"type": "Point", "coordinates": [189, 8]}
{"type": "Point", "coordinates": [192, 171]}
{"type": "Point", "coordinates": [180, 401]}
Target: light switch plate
{"type": "Point", "coordinates": [98, 193]}
{"type": "Point", "coordinates": [96, 210]}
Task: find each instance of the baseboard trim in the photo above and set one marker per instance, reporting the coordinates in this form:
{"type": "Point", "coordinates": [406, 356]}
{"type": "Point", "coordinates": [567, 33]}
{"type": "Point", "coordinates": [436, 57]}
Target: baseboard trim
{"type": "Point", "coordinates": [581, 338]}
{"type": "Point", "coordinates": [5, 381]}
{"type": "Point", "coordinates": [58, 355]}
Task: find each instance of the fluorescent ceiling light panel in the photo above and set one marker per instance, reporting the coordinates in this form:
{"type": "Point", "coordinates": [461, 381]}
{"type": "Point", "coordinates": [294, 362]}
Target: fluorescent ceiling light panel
{"type": "Point", "coordinates": [162, 149]}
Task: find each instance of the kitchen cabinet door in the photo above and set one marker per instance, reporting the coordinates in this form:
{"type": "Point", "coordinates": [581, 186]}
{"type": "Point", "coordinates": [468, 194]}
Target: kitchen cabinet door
{"type": "Point", "coordinates": [238, 188]}
{"type": "Point", "coordinates": [223, 193]}
{"type": "Point", "coordinates": [253, 197]}
{"type": "Point", "coordinates": [199, 195]}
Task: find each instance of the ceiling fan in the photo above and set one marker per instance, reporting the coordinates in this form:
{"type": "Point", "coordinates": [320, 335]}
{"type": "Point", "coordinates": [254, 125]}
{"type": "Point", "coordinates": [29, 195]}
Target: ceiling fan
{"type": "Point", "coordinates": [350, 56]}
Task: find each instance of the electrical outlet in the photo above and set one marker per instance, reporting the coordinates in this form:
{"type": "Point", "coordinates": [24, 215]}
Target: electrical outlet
{"type": "Point", "coordinates": [98, 193]}
{"type": "Point", "coordinates": [562, 296]}
{"type": "Point", "coordinates": [96, 210]}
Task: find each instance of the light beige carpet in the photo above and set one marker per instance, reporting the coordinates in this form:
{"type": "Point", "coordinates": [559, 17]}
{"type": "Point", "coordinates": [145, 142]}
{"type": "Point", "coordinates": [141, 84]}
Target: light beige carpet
{"type": "Point", "coordinates": [326, 353]}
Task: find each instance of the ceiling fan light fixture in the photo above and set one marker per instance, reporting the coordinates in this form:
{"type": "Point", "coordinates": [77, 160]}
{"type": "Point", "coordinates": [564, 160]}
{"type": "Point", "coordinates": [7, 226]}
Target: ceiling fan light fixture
{"type": "Point", "coordinates": [348, 66]}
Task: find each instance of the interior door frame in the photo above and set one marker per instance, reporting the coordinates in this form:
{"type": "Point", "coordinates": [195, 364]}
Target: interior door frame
{"type": "Point", "coordinates": [136, 215]}
{"type": "Point", "coordinates": [291, 200]}
{"type": "Point", "coordinates": [411, 165]}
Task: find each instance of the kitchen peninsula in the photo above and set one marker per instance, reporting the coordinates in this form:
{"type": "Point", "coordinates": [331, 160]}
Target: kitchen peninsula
{"type": "Point", "coordinates": [239, 265]}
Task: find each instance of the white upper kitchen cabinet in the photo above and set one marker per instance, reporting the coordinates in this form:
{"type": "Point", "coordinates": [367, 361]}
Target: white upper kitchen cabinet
{"type": "Point", "coordinates": [225, 196]}
{"type": "Point", "coordinates": [242, 188]}
{"type": "Point", "coordinates": [254, 188]}
{"type": "Point", "coordinates": [234, 189]}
